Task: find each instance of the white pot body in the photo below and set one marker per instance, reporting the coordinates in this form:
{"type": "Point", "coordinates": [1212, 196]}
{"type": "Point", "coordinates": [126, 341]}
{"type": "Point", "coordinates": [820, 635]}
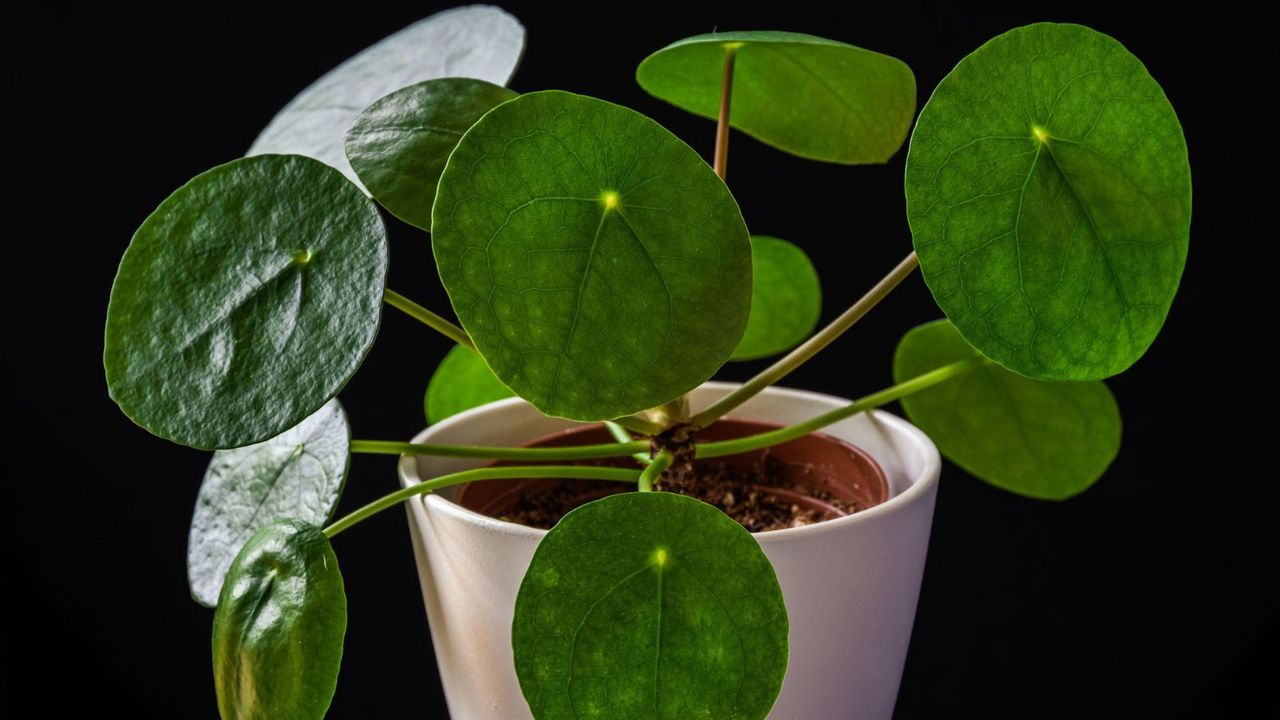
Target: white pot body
{"type": "Point", "coordinates": [850, 584]}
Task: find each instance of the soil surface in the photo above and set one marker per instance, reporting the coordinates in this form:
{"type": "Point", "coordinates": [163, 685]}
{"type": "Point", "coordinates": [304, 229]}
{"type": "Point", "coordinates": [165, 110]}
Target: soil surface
{"type": "Point", "coordinates": [770, 494]}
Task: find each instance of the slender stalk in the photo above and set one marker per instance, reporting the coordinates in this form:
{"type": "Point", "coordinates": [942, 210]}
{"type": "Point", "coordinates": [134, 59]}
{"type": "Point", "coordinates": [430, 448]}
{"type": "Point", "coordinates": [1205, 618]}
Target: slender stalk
{"type": "Point", "coordinates": [574, 452]}
{"type": "Point", "coordinates": [620, 434]}
{"type": "Point", "coordinates": [721, 161]}
{"type": "Point", "coordinates": [660, 462]}
{"type": "Point", "coordinates": [874, 400]}
{"type": "Point", "coordinates": [417, 312]}
{"type": "Point", "coordinates": [810, 347]}
{"type": "Point", "coordinates": [499, 473]}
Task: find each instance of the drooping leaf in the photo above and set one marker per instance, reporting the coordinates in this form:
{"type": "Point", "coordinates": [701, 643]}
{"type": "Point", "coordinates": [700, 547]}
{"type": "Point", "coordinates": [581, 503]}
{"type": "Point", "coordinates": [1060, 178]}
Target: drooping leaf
{"type": "Point", "coordinates": [279, 626]}
{"type": "Point", "coordinates": [398, 145]}
{"type": "Point", "coordinates": [1038, 438]}
{"type": "Point", "coordinates": [600, 266]}
{"type": "Point", "coordinates": [298, 474]}
{"type": "Point", "coordinates": [461, 382]}
{"type": "Point", "coordinates": [649, 605]}
{"type": "Point", "coordinates": [245, 302]}
{"type": "Point", "coordinates": [477, 41]}
{"type": "Point", "coordinates": [1049, 196]}
{"type": "Point", "coordinates": [786, 299]}
{"type": "Point", "coordinates": [805, 95]}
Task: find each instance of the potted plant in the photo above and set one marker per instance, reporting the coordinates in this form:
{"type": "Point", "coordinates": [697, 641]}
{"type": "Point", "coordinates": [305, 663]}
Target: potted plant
{"type": "Point", "coordinates": [602, 272]}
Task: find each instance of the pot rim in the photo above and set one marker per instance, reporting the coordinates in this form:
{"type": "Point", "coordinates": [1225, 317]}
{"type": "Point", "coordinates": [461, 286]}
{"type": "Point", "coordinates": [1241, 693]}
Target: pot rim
{"type": "Point", "coordinates": [918, 489]}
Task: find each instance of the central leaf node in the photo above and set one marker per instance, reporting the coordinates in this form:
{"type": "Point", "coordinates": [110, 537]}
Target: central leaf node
{"type": "Point", "coordinates": [610, 200]}
{"type": "Point", "coordinates": [1040, 134]}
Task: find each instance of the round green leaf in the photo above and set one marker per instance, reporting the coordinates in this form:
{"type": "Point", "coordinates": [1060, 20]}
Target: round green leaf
{"type": "Point", "coordinates": [600, 266]}
{"type": "Point", "coordinates": [1041, 439]}
{"type": "Point", "coordinates": [245, 301]}
{"type": "Point", "coordinates": [1049, 196]}
{"type": "Point", "coordinates": [297, 474]}
{"type": "Point", "coordinates": [462, 381]}
{"type": "Point", "coordinates": [477, 41]}
{"type": "Point", "coordinates": [398, 145]}
{"type": "Point", "coordinates": [278, 629]}
{"type": "Point", "coordinates": [786, 299]}
{"type": "Point", "coordinates": [649, 605]}
{"type": "Point", "coordinates": [805, 95]}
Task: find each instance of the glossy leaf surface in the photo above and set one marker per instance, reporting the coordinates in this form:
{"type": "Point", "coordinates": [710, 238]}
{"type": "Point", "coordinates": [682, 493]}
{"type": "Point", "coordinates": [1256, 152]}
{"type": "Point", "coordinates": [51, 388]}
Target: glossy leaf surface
{"type": "Point", "coordinates": [245, 302]}
{"type": "Point", "coordinates": [279, 627]}
{"type": "Point", "coordinates": [648, 605]}
{"type": "Point", "coordinates": [599, 265]}
{"type": "Point", "coordinates": [298, 474]}
{"type": "Point", "coordinates": [398, 146]}
{"type": "Point", "coordinates": [1042, 439]}
{"type": "Point", "coordinates": [1049, 196]}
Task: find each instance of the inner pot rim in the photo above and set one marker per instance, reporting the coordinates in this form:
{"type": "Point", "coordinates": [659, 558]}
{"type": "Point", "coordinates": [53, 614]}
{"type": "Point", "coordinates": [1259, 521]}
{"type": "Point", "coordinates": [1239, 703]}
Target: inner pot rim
{"type": "Point", "coordinates": [919, 443]}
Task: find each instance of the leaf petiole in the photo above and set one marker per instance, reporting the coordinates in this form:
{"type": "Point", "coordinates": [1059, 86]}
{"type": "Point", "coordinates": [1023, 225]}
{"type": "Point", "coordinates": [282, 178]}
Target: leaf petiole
{"type": "Point", "coordinates": [490, 473]}
{"type": "Point", "coordinates": [575, 452]}
{"type": "Point", "coordinates": [809, 348]}
{"type": "Point", "coordinates": [620, 434]}
{"type": "Point", "coordinates": [721, 161]}
{"type": "Point", "coordinates": [874, 400]}
{"type": "Point", "coordinates": [660, 462]}
{"type": "Point", "coordinates": [432, 320]}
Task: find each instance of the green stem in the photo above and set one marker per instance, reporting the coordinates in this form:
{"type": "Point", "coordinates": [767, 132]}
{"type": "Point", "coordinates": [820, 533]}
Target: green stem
{"type": "Point", "coordinates": [417, 312]}
{"type": "Point", "coordinates": [498, 473]}
{"type": "Point", "coordinates": [620, 434]}
{"type": "Point", "coordinates": [809, 348]}
{"type": "Point", "coordinates": [660, 462]}
{"type": "Point", "coordinates": [874, 400]}
{"type": "Point", "coordinates": [574, 452]}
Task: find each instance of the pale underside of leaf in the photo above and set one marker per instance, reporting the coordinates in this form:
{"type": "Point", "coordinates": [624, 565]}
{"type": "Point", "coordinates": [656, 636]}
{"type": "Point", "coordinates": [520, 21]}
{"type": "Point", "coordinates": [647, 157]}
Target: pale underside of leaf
{"type": "Point", "coordinates": [298, 474]}
{"type": "Point", "coordinates": [477, 41]}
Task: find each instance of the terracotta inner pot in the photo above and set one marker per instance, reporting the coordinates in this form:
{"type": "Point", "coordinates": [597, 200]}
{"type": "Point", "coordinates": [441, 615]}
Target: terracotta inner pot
{"type": "Point", "coordinates": [813, 462]}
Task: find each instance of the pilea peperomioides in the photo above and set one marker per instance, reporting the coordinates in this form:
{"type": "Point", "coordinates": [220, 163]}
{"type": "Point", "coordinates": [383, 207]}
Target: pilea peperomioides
{"type": "Point", "coordinates": [600, 269]}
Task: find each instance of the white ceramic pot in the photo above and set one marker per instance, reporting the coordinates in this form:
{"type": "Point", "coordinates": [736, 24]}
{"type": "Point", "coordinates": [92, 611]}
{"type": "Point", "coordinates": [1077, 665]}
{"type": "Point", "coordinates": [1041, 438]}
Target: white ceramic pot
{"type": "Point", "coordinates": [850, 584]}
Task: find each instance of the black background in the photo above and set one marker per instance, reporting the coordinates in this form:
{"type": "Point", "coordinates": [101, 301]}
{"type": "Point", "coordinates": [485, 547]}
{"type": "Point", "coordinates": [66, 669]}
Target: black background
{"type": "Point", "coordinates": [1144, 597]}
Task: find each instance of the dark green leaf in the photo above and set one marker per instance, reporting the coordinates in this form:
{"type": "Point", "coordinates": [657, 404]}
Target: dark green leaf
{"type": "Point", "coordinates": [1041, 439]}
{"type": "Point", "coordinates": [1049, 197]}
{"type": "Point", "coordinates": [245, 301]}
{"type": "Point", "coordinates": [805, 95]}
{"type": "Point", "coordinates": [649, 605]}
{"type": "Point", "coordinates": [298, 474]}
{"type": "Point", "coordinates": [461, 382]}
{"type": "Point", "coordinates": [477, 41]}
{"type": "Point", "coordinates": [398, 146]}
{"type": "Point", "coordinates": [278, 629]}
{"type": "Point", "coordinates": [786, 299]}
{"type": "Point", "coordinates": [597, 262]}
